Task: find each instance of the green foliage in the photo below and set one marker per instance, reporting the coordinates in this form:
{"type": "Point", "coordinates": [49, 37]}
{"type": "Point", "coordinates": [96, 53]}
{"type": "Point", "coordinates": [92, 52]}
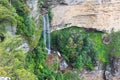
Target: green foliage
{"type": "Point", "coordinates": [20, 25]}
{"type": "Point", "coordinates": [3, 72]}
{"type": "Point", "coordinates": [11, 42]}
{"type": "Point", "coordinates": [9, 55]}
{"type": "Point", "coordinates": [59, 76]}
{"type": "Point", "coordinates": [13, 59]}
{"type": "Point", "coordinates": [75, 46]}
{"type": "Point", "coordinates": [22, 74]}
{"type": "Point", "coordinates": [100, 48]}
{"type": "Point", "coordinates": [28, 30]}
{"type": "Point", "coordinates": [37, 34]}
{"type": "Point", "coordinates": [114, 46]}
{"type": "Point", "coordinates": [25, 24]}
{"type": "Point", "coordinates": [7, 12]}
{"type": "Point", "coordinates": [27, 27]}
{"type": "Point", "coordinates": [21, 8]}
{"type": "Point", "coordinates": [35, 61]}
{"type": "Point", "coordinates": [78, 62]}
{"type": "Point", "coordinates": [50, 15]}
{"type": "Point", "coordinates": [6, 4]}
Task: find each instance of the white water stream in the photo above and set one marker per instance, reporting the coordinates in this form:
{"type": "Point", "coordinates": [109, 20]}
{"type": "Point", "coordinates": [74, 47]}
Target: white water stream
{"type": "Point", "coordinates": [46, 32]}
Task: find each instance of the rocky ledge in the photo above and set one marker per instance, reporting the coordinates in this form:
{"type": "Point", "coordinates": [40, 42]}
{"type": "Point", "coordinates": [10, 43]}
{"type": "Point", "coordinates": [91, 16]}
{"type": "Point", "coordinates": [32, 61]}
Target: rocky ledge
{"type": "Point", "coordinates": [103, 72]}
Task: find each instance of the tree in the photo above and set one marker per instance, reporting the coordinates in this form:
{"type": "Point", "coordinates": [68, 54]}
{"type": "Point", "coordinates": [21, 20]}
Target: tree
{"type": "Point", "coordinates": [78, 62]}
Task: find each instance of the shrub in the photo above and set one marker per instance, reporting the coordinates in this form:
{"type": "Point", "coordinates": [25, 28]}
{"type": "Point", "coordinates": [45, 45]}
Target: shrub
{"type": "Point", "coordinates": [22, 74]}
{"type": "Point", "coordinates": [21, 8]}
{"type": "Point", "coordinates": [35, 61]}
{"type": "Point", "coordinates": [59, 76]}
{"type": "Point", "coordinates": [30, 27]}
{"type": "Point", "coordinates": [6, 4]}
{"type": "Point", "coordinates": [3, 72]}
{"type": "Point", "coordinates": [78, 62]}
{"type": "Point", "coordinates": [25, 24]}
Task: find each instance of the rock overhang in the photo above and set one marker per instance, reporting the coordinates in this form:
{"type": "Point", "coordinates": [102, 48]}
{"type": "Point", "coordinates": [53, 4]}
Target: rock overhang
{"type": "Point", "coordinates": [103, 17]}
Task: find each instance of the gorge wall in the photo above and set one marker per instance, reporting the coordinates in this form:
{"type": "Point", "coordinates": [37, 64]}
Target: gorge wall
{"type": "Point", "coordinates": [34, 11]}
{"type": "Point", "coordinates": [100, 14]}
{"type": "Point", "coordinates": [103, 15]}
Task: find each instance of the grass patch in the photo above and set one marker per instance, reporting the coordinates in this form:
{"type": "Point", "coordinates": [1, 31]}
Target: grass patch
{"type": "Point", "coordinates": [101, 48]}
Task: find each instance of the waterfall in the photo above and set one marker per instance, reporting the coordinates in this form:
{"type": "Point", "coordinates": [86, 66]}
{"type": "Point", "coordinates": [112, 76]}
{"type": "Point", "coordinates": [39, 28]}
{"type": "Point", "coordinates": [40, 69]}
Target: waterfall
{"type": "Point", "coordinates": [46, 32]}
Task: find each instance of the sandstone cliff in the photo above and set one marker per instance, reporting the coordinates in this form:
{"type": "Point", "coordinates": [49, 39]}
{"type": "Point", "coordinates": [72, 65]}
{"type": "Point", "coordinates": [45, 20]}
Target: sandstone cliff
{"type": "Point", "coordinates": [99, 14]}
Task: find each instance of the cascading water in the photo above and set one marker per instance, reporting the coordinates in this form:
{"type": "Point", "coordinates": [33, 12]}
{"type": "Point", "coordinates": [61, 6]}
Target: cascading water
{"type": "Point", "coordinates": [46, 32]}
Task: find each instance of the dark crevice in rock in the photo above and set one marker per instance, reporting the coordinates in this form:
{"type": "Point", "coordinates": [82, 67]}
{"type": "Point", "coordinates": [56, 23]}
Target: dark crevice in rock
{"type": "Point", "coordinates": [112, 60]}
{"type": "Point", "coordinates": [93, 30]}
{"type": "Point", "coordinates": [2, 37]}
{"type": "Point", "coordinates": [104, 71]}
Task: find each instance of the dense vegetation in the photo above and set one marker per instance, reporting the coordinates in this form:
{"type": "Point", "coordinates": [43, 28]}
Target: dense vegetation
{"type": "Point", "coordinates": [76, 47]}
{"type": "Point", "coordinates": [79, 47]}
{"type": "Point", "coordinates": [15, 63]}
{"type": "Point", "coordinates": [7, 14]}
{"type": "Point", "coordinates": [35, 63]}
{"type": "Point", "coordinates": [82, 48]}
{"type": "Point", "coordinates": [12, 60]}
{"type": "Point", "coordinates": [25, 24]}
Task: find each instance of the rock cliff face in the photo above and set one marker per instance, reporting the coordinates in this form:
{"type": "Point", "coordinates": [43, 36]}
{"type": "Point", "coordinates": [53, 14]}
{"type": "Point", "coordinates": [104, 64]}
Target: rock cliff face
{"type": "Point", "coordinates": [99, 14]}
{"type": "Point", "coordinates": [34, 10]}
{"type": "Point", "coordinates": [10, 28]}
{"type": "Point", "coordinates": [100, 72]}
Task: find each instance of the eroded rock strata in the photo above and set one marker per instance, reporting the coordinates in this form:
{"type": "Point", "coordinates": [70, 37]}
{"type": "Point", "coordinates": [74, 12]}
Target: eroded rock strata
{"type": "Point", "coordinates": [101, 15]}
